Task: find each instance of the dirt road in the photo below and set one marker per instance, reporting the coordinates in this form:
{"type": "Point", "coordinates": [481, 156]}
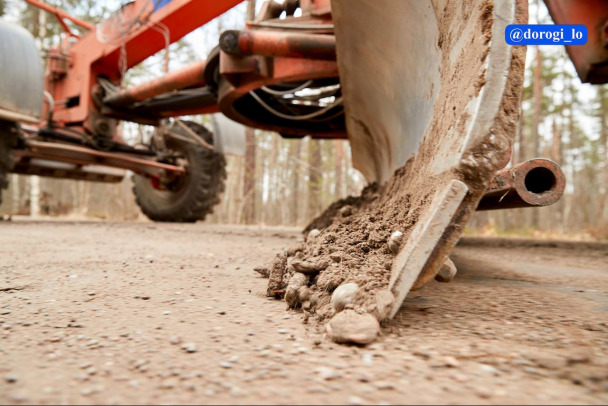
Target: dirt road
{"type": "Point", "coordinates": [153, 313]}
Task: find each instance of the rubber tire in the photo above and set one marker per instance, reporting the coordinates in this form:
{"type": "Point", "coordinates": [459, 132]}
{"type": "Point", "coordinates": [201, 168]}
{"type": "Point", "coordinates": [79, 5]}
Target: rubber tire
{"type": "Point", "coordinates": [8, 138]}
{"type": "Point", "coordinates": [200, 191]}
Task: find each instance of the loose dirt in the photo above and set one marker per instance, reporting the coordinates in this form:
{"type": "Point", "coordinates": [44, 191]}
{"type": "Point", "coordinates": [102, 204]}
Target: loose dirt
{"type": "Point", "coordinates": [154, 313]}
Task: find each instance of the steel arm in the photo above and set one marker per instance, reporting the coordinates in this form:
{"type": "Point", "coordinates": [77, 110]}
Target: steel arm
{"type": "Point", "coordinates": [89, 57]}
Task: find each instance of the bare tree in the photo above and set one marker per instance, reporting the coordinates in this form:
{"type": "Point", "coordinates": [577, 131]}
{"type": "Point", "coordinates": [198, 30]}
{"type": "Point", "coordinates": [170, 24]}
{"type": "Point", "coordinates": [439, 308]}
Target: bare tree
{"type": "Point", "coordinates": [249, 195]}
{"type": "Point", "coordinates": [314, 178]}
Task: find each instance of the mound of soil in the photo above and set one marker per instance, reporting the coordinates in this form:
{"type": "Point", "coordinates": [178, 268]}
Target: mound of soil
{"type": "Point", "coordinates": [348, 243]}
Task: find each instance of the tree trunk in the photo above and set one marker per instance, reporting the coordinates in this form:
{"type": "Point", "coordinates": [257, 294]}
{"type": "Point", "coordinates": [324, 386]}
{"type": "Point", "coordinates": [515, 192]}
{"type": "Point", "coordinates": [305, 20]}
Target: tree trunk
{"type": "Point", "coordinates": [249, 195]}
{"type": "Point", "coordinates": [604, 144]}
{"type": "Point", "coordinates": [556, 146]}
{"type": "Point", "coordinates": [338, 158]}
{"type": "Point", "coordinates": [16, 193]}
{"type": "Point", "coordinates": [273, 208]}
{"type": "Point", "coordinates": [295, 152]}
{"type": "Point", "coordinates": [521, 155]}
{"type": "Point", "coordinates": [251, 10]}
{"type": "Point", "coordinates": [536, 116]}
{"type": "Point", "coordinates": [537, 101]}
{"type": "Point", "coordinates": [35, 180]}
{"type": "Point", "coordinates": [314, 179]}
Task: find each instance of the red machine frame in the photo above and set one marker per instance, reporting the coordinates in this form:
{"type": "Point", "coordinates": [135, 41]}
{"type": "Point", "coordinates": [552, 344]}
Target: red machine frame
{"type": "Point", "coordinates": [271, 50]}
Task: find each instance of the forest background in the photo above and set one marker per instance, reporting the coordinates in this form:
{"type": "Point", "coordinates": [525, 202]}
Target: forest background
{"type": "Point", "coordinates": [289, 182]}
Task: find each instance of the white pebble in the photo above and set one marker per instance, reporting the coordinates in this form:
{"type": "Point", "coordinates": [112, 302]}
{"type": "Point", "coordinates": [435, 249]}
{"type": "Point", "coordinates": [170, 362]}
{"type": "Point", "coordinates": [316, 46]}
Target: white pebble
{"type": "Point", "coordinates": [343, 295]}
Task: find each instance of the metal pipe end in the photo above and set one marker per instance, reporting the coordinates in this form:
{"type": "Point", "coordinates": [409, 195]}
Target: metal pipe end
{"type": "Point", "coordinates": [540, 182]}
{"type": "Point", "coordinates": [229, 42]}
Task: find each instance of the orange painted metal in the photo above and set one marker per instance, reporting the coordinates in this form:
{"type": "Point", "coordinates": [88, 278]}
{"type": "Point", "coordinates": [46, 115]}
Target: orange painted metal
{"type": "Point", "coordinates": [89, 57]}
{"type": "Point", "coordinates": [278, 43]}
{"type": "Point", "coordinates": [591, 59]}
{"type": "Point", "coordinates": [190, 76]}
{"type": "Point", "coordinates": [315, 5]}
{"type": "Point", "coordinates": [534, 183]}
{"type": "Point", "coordinates": [87, 156]}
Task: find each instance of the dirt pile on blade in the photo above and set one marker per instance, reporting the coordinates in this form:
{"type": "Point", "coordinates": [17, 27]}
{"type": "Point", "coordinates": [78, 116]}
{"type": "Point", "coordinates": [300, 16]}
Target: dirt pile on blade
{"type": "Point", "coordinates": [352, 243]}
{"type": "Point", "coordinates": [353, 247]}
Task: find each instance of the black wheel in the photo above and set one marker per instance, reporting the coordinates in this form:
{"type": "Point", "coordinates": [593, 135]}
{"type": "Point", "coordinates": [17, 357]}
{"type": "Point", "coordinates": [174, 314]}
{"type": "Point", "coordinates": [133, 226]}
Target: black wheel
{"type": "Point", "coordinates": [188, 198]}
{"type": "Point", "coordinates": [8, 137]}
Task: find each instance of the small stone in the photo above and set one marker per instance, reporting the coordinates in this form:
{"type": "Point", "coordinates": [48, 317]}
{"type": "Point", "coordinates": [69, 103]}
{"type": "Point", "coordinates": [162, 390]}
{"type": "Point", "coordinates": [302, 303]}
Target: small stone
{"type": "Point", "coordinates": [395, 241]}
{"type": "Point", "coordinates": [10, 378]}
{"type": "Point", "coordinates": [313, 234]}
{"type": "Point", "coordinates": [175, 340]}
{"type": "Point", "coordinates": [384, 385]}
{"type": "Point", "coordinates": [552, 363]}
{"type": "Point", "coordinates": [297, 281]}
{"type": "Point", "coordinates": [578, 357]}
{"type": "Point", "coordinates": [355, 400]}
{"type": "Point", "coordinates": [167, 384]}
{"type": "Point", "coordinates": [304, 294]}
{"type": "Point", "coordinates": [484, 394]}
{"type": "Point", "coordinates": [336, 256]}
{"type": "Point", "coordinates": [294, 249]}
{"type": "Point", "coordinates": [86, 392]}
{"type": "Point", "coordinates": [308, 267]}
{"type": "Point", "coordinates": [447, 272]}
{"type": "Point", "coordinates": [140, 363]}
{"type": "Point", "coordinates": [489, 369]}
{"type": "Point", "coordinates": [343, 295]}
{"type": "Point", "coordinates": [190, 347]}
{"type": "Point", "coordinates": [346, 211]}
{"type": "Point", "coordinates": [263, 270]}
{"type": "Point", "coordinates": [451, 362]}
{"type": "Point", "coordinates": [327, 373]}
{"type": "Point", "coordinates": [460, 378]}
{"type": "Point", "coordinates": [351, 327]}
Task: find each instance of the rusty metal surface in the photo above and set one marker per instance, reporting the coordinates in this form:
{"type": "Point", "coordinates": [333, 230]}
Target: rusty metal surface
{"type": "Point", "coordinates": [87, 156]}
{"type": "Point", "coordinates": [189, 76]}
{"type": "Point", "coordinates": [277, 43]}
{"type": "Point", "coordinates": [64, 170]}
{"type": "Point", "coordinates": [21, 83]}
{"type": "Point", "coordinates": [534, 183]}
{"type": "Point", "coordinates": [591, 59]}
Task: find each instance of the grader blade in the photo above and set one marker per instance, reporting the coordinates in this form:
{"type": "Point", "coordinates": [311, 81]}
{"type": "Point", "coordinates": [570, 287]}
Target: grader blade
{"type": "Point", "coordinates": [431, 84]}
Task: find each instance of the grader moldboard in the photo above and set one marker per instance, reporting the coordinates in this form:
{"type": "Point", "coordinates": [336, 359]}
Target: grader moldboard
{"type": "Point", "coordinates": [427, 90]}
